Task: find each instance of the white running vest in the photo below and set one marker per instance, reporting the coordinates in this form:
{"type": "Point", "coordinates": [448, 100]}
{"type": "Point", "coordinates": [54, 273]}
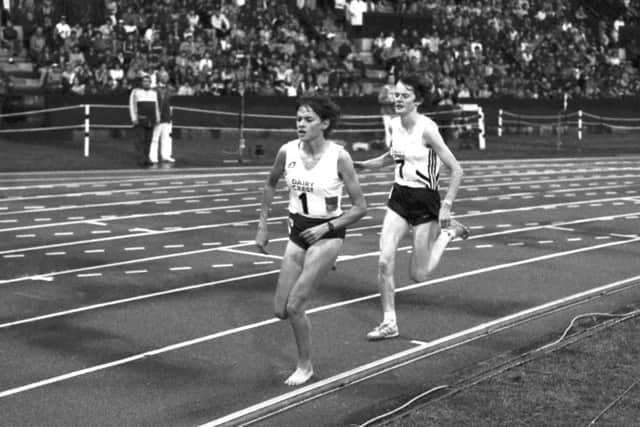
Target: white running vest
{"type": "Point", "coordinates": [315, 192]}
{"type": "Point", "coordinates": [417, 165]}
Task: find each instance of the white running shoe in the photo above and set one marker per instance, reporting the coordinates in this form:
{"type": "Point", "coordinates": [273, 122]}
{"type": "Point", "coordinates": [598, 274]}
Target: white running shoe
{"type": "Point", "coordinates": [383, 331]}
{"type": "Point", "coordinates": [460, 230]}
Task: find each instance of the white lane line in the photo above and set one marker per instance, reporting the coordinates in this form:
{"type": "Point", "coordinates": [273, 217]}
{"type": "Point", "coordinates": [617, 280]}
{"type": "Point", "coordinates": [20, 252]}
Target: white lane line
{"type": "Point", "coordinates": [515, 244]}
{"type": "Point", "coordinates": [24, 236]}
{"type": "Point", "coordinates": [211, 243]}
{"type": "Point", "coordinates": [76, 218]}
{"type": "Point", "coordinates": [554, 227]}
{"type": "Point", "coordinates": [89, 274]}
{"type": "Point", "coordinates": [94, 222]}
{"type": "Point", "coordinates": [41, 219]}
{"type": "Point", "coordinates": [484, 246]}
{"type": "Point", "coordinates": [48, 254]}
{"type": "Point", "coordinates": [180, 268]}
{"type": "Point", "coordinates": [250, 253]}
{"type": "Point", "coordinates": [13, 256]}
{"type": "Point", "coordinates": [222, 265]}
{"type": "Point", "coordinates": [8, 221]}
{"type": "Point", "coordinates": [602, 237]}
{"type": "Point", "coordinates": [422, 350]}
{"type": "Point", "coordinates": [144, 230]}
{"type": "Point", "coordinates": [101, 232]}
{"type": "Point", "coordinates": [262, 262]}
{"type": "Point", "coordinates": [135, 248]}
{"type": "Point", "coordinates": [94, 251]}
{"type": "Point", "coordinates": [183, 344]}
{"type": "Point", "coordinates": [545, 242]}
{"type": "Point", "coordinates": [574, 239]}
{"type": "Point", "coordinates": [141, 271]}
{"type": "Point", "coordinates": [64, 233]}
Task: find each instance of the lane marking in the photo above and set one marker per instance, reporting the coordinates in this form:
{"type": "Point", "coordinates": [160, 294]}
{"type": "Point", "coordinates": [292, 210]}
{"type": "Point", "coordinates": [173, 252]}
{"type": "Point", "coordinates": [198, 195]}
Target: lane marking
{"type": "Point", "coordinates": [183, 344]}
{"type": "Point", "coordinates": [421, 351]}
{"type": "Point", "coordinates": [141, 271]}
{"type": "Point", "coordinates": [179, 268]}
{"type": "Point", "coordinates": [222, 265]}
{"type": "Point", "coordinates": [250, 253]}
{"type": "Point", "coordinates": [89, 274]}
{"type": "Point", "coordinates": [555, 227]}
{"type": "Point", "coordinates": [249, 242]}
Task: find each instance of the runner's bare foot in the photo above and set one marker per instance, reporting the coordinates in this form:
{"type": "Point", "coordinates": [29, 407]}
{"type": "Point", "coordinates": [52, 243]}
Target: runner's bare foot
{"type": "Point", "coordinates": [301, 375]}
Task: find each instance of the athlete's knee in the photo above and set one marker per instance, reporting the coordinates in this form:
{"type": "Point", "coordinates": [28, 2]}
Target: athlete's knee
{"type": "Point", "coordinates": [280, 310]}
{"type": "Point", "coordinates": [420, 273]}
{"type": "Point", "coordinates": [295, 307]}
{"type": "Point", "coordinates": [385, 266]}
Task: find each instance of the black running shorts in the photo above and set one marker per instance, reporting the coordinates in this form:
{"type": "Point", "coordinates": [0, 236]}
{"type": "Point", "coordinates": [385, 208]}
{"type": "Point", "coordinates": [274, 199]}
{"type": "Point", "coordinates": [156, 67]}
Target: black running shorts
{"type": "Point", "coordinates": [415, 205]}
{"type": "Point", "coordinates": [298, 223]}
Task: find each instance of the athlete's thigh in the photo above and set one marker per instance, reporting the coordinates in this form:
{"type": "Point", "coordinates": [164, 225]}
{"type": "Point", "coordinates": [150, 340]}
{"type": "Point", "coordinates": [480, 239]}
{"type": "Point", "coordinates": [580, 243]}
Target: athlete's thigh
{"type": "Point", "coordinates": [394, 227]}
{"type": "Point", "coordinates": [319, 259]}
{"type": "Point", "coordinates": [290, 269]}
{"type": "Point", "coordinates": [423, 237]}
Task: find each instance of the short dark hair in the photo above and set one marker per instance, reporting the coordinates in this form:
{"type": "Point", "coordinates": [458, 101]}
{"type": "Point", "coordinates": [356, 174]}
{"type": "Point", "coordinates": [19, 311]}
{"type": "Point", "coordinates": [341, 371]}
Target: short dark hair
{"type": "Point", "coordinates": [419, 84]}
{"type": "Point", "coordinates": [324, 107]}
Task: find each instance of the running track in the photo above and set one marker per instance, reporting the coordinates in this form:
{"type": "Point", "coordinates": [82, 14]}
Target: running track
{"type": "Point", "coordinates": [136, 298]}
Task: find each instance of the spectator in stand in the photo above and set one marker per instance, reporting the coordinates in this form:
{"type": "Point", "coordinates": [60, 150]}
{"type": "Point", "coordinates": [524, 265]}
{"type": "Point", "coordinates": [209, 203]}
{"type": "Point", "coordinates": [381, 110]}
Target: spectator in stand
{"type": "Point", "coordinates": [62, 30]}
{"type": "Point", "coordinates": [37, 44]}
{"type": "Point", "coordinates": [10, 39]}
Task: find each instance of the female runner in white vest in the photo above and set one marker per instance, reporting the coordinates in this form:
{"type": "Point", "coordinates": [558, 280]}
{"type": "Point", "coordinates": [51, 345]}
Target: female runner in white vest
{"type": "Point", "coordinates": [417, 149]}
{"type": "Point", "coordinates": [316, 170]}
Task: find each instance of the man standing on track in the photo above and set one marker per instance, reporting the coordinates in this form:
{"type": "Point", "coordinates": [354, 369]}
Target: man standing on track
{"type": "Point", "coordinates": [144, 111]}
{"type": "Point", "coordinates": [162, 130]}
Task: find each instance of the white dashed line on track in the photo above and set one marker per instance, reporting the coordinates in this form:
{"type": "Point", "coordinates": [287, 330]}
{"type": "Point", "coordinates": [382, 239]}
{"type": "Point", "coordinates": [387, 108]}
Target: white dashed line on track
{"type": "Point", "coordinates": [211, 243]}
{"type": "Point", "coordinates": [602, 237]}
{"type": "Point", "coordinates": [135, 271]}
{"type": "Point", "coordinates": [64, 233]}
{"type": "Point", "coordinates": [545, 242]}
{"type": "Point", "coordinates": [100, 231]}
{"type": "Point", "coordinates": [13, 256]}
{"type": "Point", "coordinates": [222, 265]}
{"type": "Point", "coordinates": [574, 239]}
{"type": "Point", "coordinates": [483, 246]}
{"type": "Point", "coordinates": [75, 218]}
{"type": "Point", "coordinates": [516, 244]}
{"type": "Point", "coordinates": [41, 219]}
{"type": "Point", "coordinates": [55, 253]}
{"type": "Point", "coordinates": [88, 274]}
{"type": "Point", "coordinates": [179, 268]}
{"type": "Point", "coordinates": [504, 225]}
{"type": "Point", "coordinates": [24, 236]}
{"type": "Point", "coordinates": [262, 262]}
{"type": "Point", "coordinates": [135, 248]}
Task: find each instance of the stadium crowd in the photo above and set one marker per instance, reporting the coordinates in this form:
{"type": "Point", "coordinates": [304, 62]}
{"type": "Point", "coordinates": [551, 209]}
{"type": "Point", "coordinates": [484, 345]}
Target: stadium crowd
{"type": "Point", "coordinates": [523, 48]}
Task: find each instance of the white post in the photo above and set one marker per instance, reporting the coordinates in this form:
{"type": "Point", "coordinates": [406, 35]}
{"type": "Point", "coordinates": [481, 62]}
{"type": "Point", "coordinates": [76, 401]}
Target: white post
{"type": "Point", "coordinates": [579, 125]}
{"type": "Point", "coordinates": [481, 140]}
{"type": "Point", "coordinates": [500, 122]}
{"type": "Point", "coordinates": [87, 110]}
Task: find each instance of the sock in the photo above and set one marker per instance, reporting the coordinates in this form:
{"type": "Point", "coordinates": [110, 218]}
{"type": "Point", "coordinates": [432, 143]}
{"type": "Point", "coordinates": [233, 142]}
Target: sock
{"type": "Point", "coordinates": [389, 317]}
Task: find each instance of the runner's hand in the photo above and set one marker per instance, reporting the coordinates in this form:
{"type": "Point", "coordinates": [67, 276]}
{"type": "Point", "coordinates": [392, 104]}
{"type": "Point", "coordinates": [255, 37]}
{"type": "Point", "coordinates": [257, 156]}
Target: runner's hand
{"type": "Point", "coordinates": [444, 216]}
{"type": "Point", "coordinates": [313, 234]}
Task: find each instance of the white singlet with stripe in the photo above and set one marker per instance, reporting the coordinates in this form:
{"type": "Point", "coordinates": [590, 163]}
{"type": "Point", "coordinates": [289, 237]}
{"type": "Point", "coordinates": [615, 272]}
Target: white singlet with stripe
{"type": "Point", "coordinates": [315, 192]}
{"type": "Point", "coordinates": [417, 165]}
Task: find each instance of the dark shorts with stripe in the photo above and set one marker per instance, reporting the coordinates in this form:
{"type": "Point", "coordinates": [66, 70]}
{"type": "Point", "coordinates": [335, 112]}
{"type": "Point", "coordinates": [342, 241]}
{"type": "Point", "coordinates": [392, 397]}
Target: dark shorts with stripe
{"type": "Point", "coordinates": [298, 223]}
{"type": "Point", "coordinates": [415, 205]}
